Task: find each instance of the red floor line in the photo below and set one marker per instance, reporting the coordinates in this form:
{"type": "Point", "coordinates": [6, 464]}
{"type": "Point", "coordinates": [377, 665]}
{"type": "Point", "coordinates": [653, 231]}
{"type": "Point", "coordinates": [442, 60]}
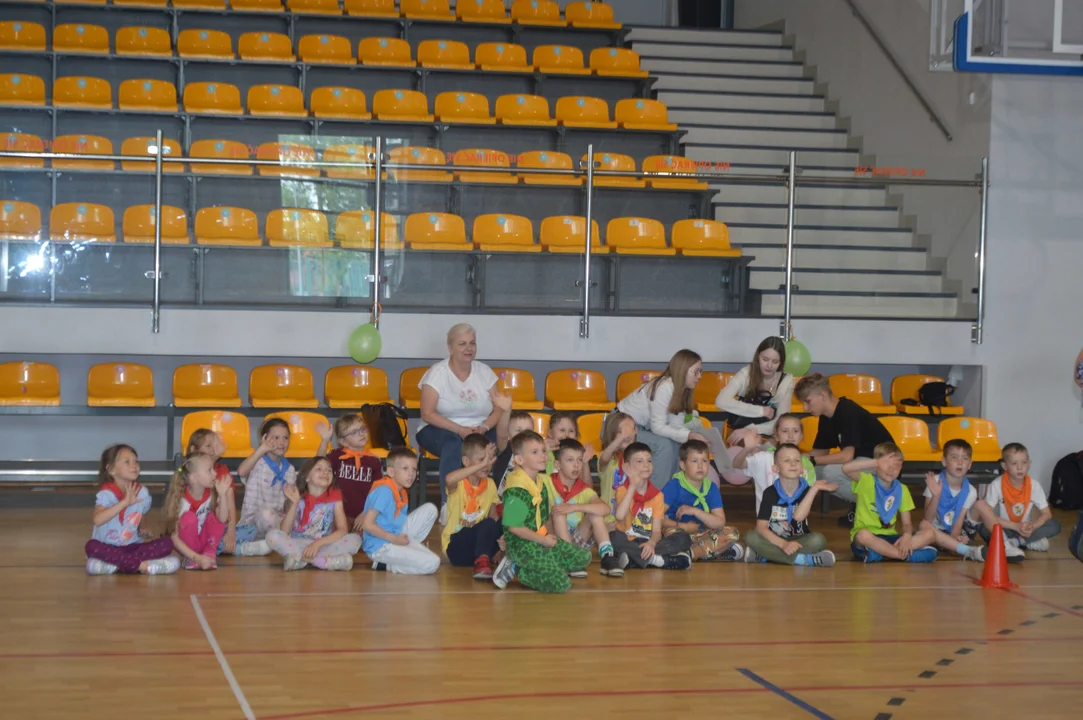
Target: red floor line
{"type": "Point", "coordinates": [534, 648]}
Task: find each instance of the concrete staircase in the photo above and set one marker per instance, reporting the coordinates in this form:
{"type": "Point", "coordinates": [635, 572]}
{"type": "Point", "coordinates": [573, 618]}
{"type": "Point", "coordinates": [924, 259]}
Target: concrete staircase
{"type": "Point", "coordinates": [743, 99]}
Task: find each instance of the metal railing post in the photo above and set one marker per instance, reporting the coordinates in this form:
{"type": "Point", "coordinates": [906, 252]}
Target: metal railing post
{"type": "Point", "coordinates": [584, 322]}
{"type": "Point", "coordinates": [791, 201]}
{"type": "Point", "coordinates": [156, 313]}
{"type": "Point", "coordinates": [378, 208]}
{"type": "Point", "coordinates": [978, 327]}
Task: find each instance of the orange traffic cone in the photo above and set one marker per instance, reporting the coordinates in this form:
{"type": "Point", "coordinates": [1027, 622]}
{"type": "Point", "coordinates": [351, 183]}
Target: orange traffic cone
{"type": "Point", "coordinates": [996, 564]}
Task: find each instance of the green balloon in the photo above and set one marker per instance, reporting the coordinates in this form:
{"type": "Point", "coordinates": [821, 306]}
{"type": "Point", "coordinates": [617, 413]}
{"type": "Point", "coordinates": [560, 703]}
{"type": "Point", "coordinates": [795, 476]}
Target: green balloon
{"type": "Point", "coordinates": [798, 360]}
{"type": "Point", "coordinates": [365, 343]}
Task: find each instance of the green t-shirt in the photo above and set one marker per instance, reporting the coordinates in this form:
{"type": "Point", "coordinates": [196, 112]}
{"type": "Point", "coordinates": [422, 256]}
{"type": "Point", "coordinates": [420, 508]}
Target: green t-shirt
{"type": "Point", "coordinates": [519, 511]}
{"type": "Point", "coordinates": [865, 515]}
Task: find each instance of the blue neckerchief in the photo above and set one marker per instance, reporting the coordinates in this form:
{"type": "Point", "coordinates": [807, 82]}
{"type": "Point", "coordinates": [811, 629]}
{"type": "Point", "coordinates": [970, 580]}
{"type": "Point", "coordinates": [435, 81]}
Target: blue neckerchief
{"type": "Point", "coordinates": [790, 500]}
{"type": "Point", "coordinates": [949, 507]}
{"type": "Point", "coordinates": [887, 501]}
{"type": "Point", "coordinates": [278, 469]}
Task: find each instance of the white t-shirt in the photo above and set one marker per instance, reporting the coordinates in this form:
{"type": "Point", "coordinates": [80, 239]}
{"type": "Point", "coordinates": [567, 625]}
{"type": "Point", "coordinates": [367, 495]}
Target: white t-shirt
{"type": "Point", "coordinates": [201, 508]}
{"type": "Point", "coordinates": [465, 403]}
{"type": "Point", "coordinates": [654, 414]}
{"type": "Point", "coordinates": [971, 498]}
{"type": "Point", "coordinates": [760, 468]}
{"type": "Point", "coordinates": [994, 495]}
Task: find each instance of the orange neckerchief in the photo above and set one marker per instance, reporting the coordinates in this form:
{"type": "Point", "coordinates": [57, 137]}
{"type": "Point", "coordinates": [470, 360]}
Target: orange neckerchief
{"type": "Point", "coordinates": [348, 454]}
{"type": "Point", "coordinates": [119, 494]}
{"type": "Point", "coordinates": [1015, 497]}
{"type": "Point", "coordinates": [472, 494]}
{"type": "Point", "coordinates": [638, 501]}
{"type": "Point", "coordinates": [397, 492]}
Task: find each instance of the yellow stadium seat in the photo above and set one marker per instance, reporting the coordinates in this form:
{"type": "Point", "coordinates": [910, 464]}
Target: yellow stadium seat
{"type": "Point", "coordinates": [418, 156]}
{"type": "Point", "coordinates": [524, 110]}
{"type": "Point", "coordinates": [144, 42]}
{"type": "Point", "coordinates": [574, 389]}
{"type": "Point", "coordinates": [345, 153]}
{"type": "Point", "coordinates": [864, 390]}
{"type": "Point", "coordinates": [912, 437]}
{"type": "Point", "coordinates": [504, 233]}
{"type": "Point", "coordinates": [295, 227]}
{"type": "Point", "coordinates": [702, 238]}
{"type": "Point", "coordinates": [223, 150]}
{"type": "Point", "coordinates": [120, 385]}
{"type": "Point", "coordinates": [29, 384]}
{"type": "Point", "coordinates": [590, 15]}
{"type": "Point", "coordinates": [212, 98]}
{"type": "Point", "coordinates": [643, 114]}
{"type": "Point", "coordinates": [227, 226]}
{"type": "Point", "coordinates": [285, 386]}
{"type": "Point", "coordinates": [630, 380]}
{"type": "Point", "coordinates": [589, 426]}
{"type": "Point", "coordinates": [147, 96]}
{"type": "Point", "coordinates": [520, 385]}
{"type": "Point", "coordinates": [810, 425]}
{"type": "Point", "coordinates": [563, 59]}
{"type": "Point", "coordinates": [436, 231]}
{"type": "Point", "coordinates": [706, 392]}
{"type": "Point", "coordinates": [22, 142]}
{"type": "Point", "coordinates": [209, 44]}
{"type": "Point", "coordinates": [205, 385]}
{"type": "Point", "coordinates": [445, 54]}
{"type": "Point", "coordinates": [409, 392]}
{"type": "Point", "coordinates": [147, 147]}
{"type": "Point", "coordinates": [589, 112]}
{"type": "Point", "coordinates": [484, 158]}
{"type": "Point", "coordinates": [426, 9]}
{"type": "Point", "coordinates": [615, 162]}
{"type": "Point", "coordinates": [138, 225]}
{"type": "Point", "coordinates": [232, 427]}
{"type": "Point", "coordinates": [82, 223]}
{"type": "Point", "coordinates": [483, 11]}
{"type": "Point", "coordinates": [22, 90]}
{"type": "Point", "coordinates": [385, 52]}
{"type": "Point", "coordinates": [541, 423]}
{"type": "Point", "coordinates": [19, 220]}
{"type": "Point", "coordinates": [463, 107]}
{"type": "Point", "coordinates": [265, 47]}
{"type": "Point", "coordinates": [351, 386]}
{"type": "Point", "coordinates": [314, 7]}
{"type": "Point", "coordinates": [200, 4]}
{"type": "Point", "coordinates": [536, 12]}
{"type": "Point", "coordinates": [637, 236]}
{"type": "Point", "coordinates": [22, 35]}
{"type": "Point", "coordinates": [83, 92]}
{"type": "Point", "coordinates": [140, 3]}
{"type": "Point", "coordinates": [905, 387]}
{"type": "Point", "coordinates": [342, 103]}
{"type": "Point", "coordinates": [356, 230]}
{"type": "Point", "coordinates": [82, 145]}
{"type": "Point", "coordinates": [981, 434]}
{"type": "Point", "coordinates": [547, 159]}
{"type": "Point", "coordinates": [372, 8]}
{"type": "Point", "coordinates": [276, 101]}
{"type": "Point", "coordinates": [659, 171]}
{"type": "Point", "coordinates": [401, 106]}
{"type": "Point", "coordinates": [616, 62]}
{"type": "Point", "coordinates": [254, 5]}
{"type": "Point", "coordinates": [81, 38]}
{"type": "Point", "coordinates": [326, 50]}
{"type": "Point", "coordinates": [501, 57]}
{"type": "Point", "coordinates": [77, 2]}
{"type": "Point", "coordinates": [568, 234]}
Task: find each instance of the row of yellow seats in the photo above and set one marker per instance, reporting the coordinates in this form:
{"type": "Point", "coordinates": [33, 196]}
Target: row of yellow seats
{"type": "Point", "coordinates": [913, 438]}
{"type": "Point", "coordinates": [195, 44]}
{"type": "Point", "coordinates": [296, 227]}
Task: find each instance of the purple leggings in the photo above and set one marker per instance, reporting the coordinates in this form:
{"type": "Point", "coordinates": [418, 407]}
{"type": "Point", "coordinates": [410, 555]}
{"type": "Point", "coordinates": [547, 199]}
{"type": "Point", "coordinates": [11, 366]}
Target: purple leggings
{"type": "Point", "coordinates": [128, 557]}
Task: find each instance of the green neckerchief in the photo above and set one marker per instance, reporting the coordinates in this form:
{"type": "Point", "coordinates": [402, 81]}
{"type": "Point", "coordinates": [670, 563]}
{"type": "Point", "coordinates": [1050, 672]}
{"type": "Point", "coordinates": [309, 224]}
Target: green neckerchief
{"type": "Point", "coordinates": [700, 493]}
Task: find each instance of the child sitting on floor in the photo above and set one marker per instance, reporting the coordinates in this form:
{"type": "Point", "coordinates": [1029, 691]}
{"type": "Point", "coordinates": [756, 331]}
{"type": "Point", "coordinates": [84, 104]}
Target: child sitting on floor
{"type": "Point", "coordinates": [196, 511]}
{"type": "Point", "coordinates": [266, 473]}
{"type": "Point", "coordinates": [238, 539]}
{"type": "Point", "coordinates": [355, 467]}
{"type": "Point", "coordinates": [393, 537]}
{"type": "Point", "coordinates": [471, 534]}
{"type": "Point", "coordinates": [1010, 501]}
{"type": "Point", "coordinates": [758, 460]}
{"type": "Point", "coordinates": [694, 505]}
{"type": "Point", "coordinates": [618, 432]}
{"type": "Point", "coordinates": [782, 533]}
{"type": "Point", "coordinates": [638, 538]}
{"type": "Point", "coordinates": [881, 502]}
{"type": "Point", "coordinates": [579, 514]}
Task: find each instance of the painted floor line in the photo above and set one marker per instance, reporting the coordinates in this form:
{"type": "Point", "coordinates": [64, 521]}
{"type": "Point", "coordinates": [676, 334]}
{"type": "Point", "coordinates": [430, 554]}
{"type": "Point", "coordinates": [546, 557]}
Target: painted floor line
{"type": "Point", "coordinates": [226, 670]}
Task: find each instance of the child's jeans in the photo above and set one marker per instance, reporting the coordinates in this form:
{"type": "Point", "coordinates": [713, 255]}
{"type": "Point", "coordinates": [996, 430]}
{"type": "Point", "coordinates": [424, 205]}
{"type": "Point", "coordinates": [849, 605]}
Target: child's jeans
{"type": "Point", "coordinates": [1049, 529]}
{"type": "Point", "coordinates": [127, 558]}
{"type": "Point", "coordinates": [202, 542]}
{"type": "Point", "coordinates": [669, 545]}
{"type": "Point", "coordinates": [415, 558]}
{"type": "Point", "coordinates": [288, 546]}
{"type": "Point", "coordinates": [245, 533]}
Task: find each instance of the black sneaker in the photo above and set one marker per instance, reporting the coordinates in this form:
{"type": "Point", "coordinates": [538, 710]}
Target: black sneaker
{"type": "Point", "coordinates": [734, 553]}
{"type": "Point", "coordinates": [611, 566]}
{"type": "Point", "coordinates": [847, 520]}
{"type": "Point", "coordinates": [379, 566]}
{"type": "Point", "coordinates": [679, 561]}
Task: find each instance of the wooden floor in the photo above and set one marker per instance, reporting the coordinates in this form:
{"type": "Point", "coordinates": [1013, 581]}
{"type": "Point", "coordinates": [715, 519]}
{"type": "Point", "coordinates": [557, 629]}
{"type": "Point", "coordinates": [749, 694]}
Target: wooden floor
{"type": "Point", "coordinates": [731, 641]}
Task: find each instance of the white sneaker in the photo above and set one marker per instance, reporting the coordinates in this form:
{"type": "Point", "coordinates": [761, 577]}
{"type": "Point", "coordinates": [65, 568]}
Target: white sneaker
{"type": "Point", "coordinates": [99, 567]}
{"type": "Point", "coordinates": [294, 563]}
{"type": "Point", "coordinates": [255, 548]}
{"type": "Point", "coordinates": [577, 574]}
{"type": "Point", "coordinates": [1013, 553]}
{"type": "Point", "coordinates": [340, 562]}
{"type": "Point", "coordinates": [443, 515]}
{"type": "Point", "coordinates": [1041, 545]}
{"type": "Point", "coordinates": [977, 552]}
{"type": "Point", "coordinates": [504, 573]}
{"type": "Point", "coordinates": [751, 556]}
{"type": "Point", "coordinates": [1011, 542]}
{"type": "Point", "coordinates": [164, 566]}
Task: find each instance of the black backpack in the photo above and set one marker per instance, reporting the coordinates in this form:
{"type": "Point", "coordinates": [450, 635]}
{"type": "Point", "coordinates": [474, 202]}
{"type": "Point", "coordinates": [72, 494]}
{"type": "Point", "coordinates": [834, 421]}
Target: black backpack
{"type": "Point", "coordinates": [933, 395]}
{"type": "Point", "coordinates": [1066, 490]}
{"type": "Point", "coordinates": [382, 420]}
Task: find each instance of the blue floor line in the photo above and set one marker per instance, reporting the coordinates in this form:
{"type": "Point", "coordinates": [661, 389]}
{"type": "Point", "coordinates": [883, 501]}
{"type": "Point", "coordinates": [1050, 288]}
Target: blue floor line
{"type": "Point", "coordinates": [783, 694]}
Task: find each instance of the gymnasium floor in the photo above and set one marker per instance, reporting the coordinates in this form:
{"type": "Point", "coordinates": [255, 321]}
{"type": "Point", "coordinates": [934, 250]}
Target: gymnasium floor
{"type": "Point", "coordinates": [737, 641]}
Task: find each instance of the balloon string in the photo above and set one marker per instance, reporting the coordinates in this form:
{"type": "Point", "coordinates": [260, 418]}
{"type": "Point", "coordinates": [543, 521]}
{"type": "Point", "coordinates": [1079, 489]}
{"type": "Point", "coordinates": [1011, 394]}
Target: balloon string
{"type": "Point", "coordinates": [789, 331]}
{"type": "Point", "coordinates": [378, 310]}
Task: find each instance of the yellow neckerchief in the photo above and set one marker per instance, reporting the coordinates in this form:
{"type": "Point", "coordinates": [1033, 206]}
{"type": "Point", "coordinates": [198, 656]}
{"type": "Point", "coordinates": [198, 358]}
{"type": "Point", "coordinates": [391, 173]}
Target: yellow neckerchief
{"type": "Point", "coordinates": [519, 479]}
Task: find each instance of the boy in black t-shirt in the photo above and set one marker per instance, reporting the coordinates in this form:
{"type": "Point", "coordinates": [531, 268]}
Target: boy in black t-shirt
{"type": "Point", "coordinates": [782, 534]}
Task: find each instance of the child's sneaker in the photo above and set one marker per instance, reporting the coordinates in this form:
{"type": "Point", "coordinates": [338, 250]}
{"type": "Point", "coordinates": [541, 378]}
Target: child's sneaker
{"type": "Point", "coordinates": [611, 566]}
{"type": "Point", "coordinates": [294, 563]}
{"type": "Point", "coordinates": [926, 554]}
{"type": "Point", "coordinates": [732, 554]}
{"type": "Point", "coordinates": [99, 567]}
{"type": "Point", "coordinates": [1041, 545]}
{"type": "Point", "coordinates": [163, 566]}
{"type": "Point", "coordinates": [255, 548]}
{"type": "Point", "coordinates": [679, 561]}
{"type": "Point", "coordinates": [505, 573]}
{"type": "Point", "coordinates": [342, 562]}
{"type": "Point", "coordinates": [977, 553]}
{"type": "Point", "coordinates": [751, 556]}
{"type": "Point", "coordinates": [193, 565]}
{"type": "Point", "coordinates": [482, 569]}
{"type": "Point", "coordinates": [379, 566]}
{"type": "Point", "coordinates": [824, 558]}
{"type": "Point", "coordinates": [1013, 554]}
{"type": "Point", "coordinates": [577, 574]}
{"type": "Point", "coordinates": [871, 556]}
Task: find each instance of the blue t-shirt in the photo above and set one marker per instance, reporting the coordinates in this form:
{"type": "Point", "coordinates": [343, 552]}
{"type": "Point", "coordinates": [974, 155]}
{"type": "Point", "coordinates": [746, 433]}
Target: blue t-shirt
{"type": "Point", "coordinates": [674, 496]}
{"type": "Point", "coordinates": [123, 529]}
{"type": "Point", "coordinates": [382, 500]}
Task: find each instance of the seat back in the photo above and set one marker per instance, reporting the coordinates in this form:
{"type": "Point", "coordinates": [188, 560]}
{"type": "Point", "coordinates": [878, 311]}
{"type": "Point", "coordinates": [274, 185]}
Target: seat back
{"type": "Point", "coordinates": [347, 153]}
{"type": "Point", "coordinates": [517, 383]}
{"type": "Point", "coordinates": [326, 49]}
{"type": "Point", "coordinates": [710, 384]}
{"type": "Point", "coordinates": [22, 35]}
{"type": "Point", "coordinates": [547, 159]}
{"type": "Point", "coordinates": [22, 142]}
{"type": "Point", "coordinates": [227, 225]}
{"type": "Point", "coordinates": [81, 38]}
{"type": "Point", "coordinates": [569, 231]}
{"type": "Point", "coordinates": [82, 223]}
{"type": "Point", "coordinates": [481, 10]}
{"type": "Point", "coordinates": [613, 60]}
{"type": "Point", "coordinates": [400, 104]}
{"type": "Point", "coordinates": [120, 384]}
{"type": "Point", "coordinates": [497, 55]}
{"type": "Point", "coordinates": [305, 439]}
{"type": "Point", "coordinates": [19, 220]}
{"type": "Point", "coordinates": [598, 14]}
{"type": "Point", "coordinates": [633, 112]}
{"type": "Point", "coordinates": [410, 155]}
{"type": "Point", "coordinates": [351, 386]}
{"type": "Point", "coordinates": [862, 389]}
{"type": "Point", "coordinates": [669, 165]}
{"type": "Point", "coordinates": [575, 385]}
{"type": "Point", "coordinates": [385, 51]}
{"type": "Point", "coordinates": [536, 12]}
{"type": "Point", "coordinates": [146, 94]}
{"type": "Point", "coordinates": [810, 425]}
{"type": "Point", "coordinates": [29, 383]}
{"type": "Point", "coordinates": [478, 157]}
{"type": "Point", "coordinates": [232, 427]}
{"type": "Point", "coordinates": [138, 224]}
{"type": "Point", "coordinates": [906, 387]}
{"type": "Point", "coordinates": [281, 385]}
{"type": "Point", "coordinates": [276, 100]}
{"type": "Point", "coordinates": [371, 8]}
{"type": "Point", "coordinates": [143, 41]}
{"type": "Point", "coordinates": [500, 229]}
{"type": "Point", "coordinates": [694, 234]}
{"type": "Point", "coordinates": [254, 5]}
{"type": "Point", "coordinates": [296, 227]}
{"type": "Point", "coordinates": [590, 429]}
{"type": "Point", "coordinates": [321, 7]}
{"type": "Point", "coordinates": [339, 102]}
{"type": "Point", "coordinates": [204, 43]}
{"type": "Point", "coordinates": [555, 58]}
{"type": "Point", "coordinates": [223, 149]}
{"type": "Point", "coordinates": [578, 109]}
{"type": "Point", "coordinates": [265, 46]}
{"type": "Point", "coordinates": [409, 392]}
{"type": "Point", "coordinates": [613, 162]}
{"type": "Point", "coordinates": [440, 228]}
{"type": "Point", "coordinates": [462, 106]}
{"type": "Point", "coordinates": [83, 92]}
{"type": "Point", "coordinates": [910, 434]}
{"type": "Point", "coordinates": [357, 229]}
{"type": "Point", "coordinates": [522, 108]}
{"type": "Point", "coordinates": [82, 145]}
{"type": "Point", "coordinates": [147, 147]}
{"type": "Point", "coordinates": [980, 433]}
{"type": "Point", "coordinates": [426, 9]}
{"type": "Point", "coordinates": [213, 98]}
{"type": "Point", "coordinates": [205, 385]}
{"type": "Point", "coordinates": [444, 53]}
{"type": "Point", "coordinates": [18, 89]}
{"type": "Point", "coordinates": [631, 380]}
{"type": "Point", "coordinates": [635, 232]}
